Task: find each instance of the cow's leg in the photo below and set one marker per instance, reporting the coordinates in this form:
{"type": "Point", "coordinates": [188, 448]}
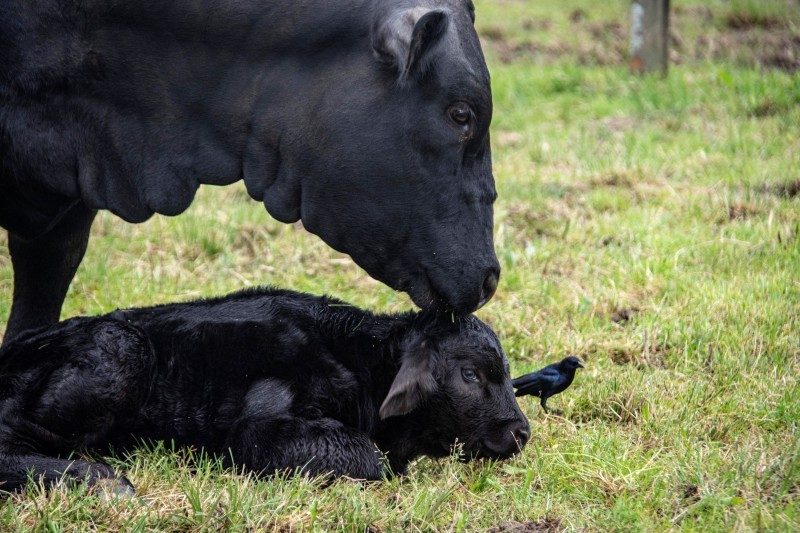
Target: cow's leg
{"type": "Point", "coordinates": [16, 470]}
{"type": "Point", "coordinates": [314, 447]}
{"type": "Point", "coordinates": [44, 268]}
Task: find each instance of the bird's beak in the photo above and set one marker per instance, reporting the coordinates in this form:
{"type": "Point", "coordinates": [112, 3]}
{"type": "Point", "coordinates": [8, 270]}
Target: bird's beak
{"type": "Point", "coordinates": [580, 365]}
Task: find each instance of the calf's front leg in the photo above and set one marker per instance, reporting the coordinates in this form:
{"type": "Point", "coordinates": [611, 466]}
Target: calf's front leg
{"type": "Point", "coordinates": [269, 437]}
{"type": "Point", "coordinates": [316, 447]}
{"type": "Point", "coordinates": [15, 470]}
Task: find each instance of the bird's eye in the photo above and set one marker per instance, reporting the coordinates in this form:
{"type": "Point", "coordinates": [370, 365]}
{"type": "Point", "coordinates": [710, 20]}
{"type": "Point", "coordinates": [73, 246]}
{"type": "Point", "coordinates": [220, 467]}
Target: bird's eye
{"type": "Point", "coordinates": [469, 375]}
{"type": "Point", "coordinates": [460, 113]}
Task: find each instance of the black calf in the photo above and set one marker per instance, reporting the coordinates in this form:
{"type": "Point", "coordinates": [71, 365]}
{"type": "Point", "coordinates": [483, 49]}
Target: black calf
{"type": "Point", "coordinates": [270, 379]}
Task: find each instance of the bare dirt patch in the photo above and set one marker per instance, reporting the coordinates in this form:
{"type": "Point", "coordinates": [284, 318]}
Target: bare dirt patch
{"type": "Point", "coordinates": [523, 219]}
{"type": "Point", "coordinates": [783, 53]}
{"type": "Point", "coordinates": [624, 179]}
{"type": "Point", "coordinates": [790, 189]}
{"type": "Point", "coordinates": [642, 357]}
{"type": "Point", "coordinates": [493, 33]}
{"type": "Point", "coordinates": [768, 108]}
{"type": "Point", "coordinates": [645, 354]}
{"type": "Point", "coordinates": [610, 240]}
{"type": "Point", "coordinates": [606, 30]}
{"type": "Point", "coordinates": [740, 211]}
{"type": "Point", "coordinates": [544, 525]}
{"type": "Point", "coordinates": [743, 20]}
{"type": "Point", "coordinates": [690, 493]}
{"type": "Point", "coordinates": [623, 315]}
{"type": "Point", "coordinates": [577, 15]}
{"type": "Point", "coordinates": [536, 24]}
{"type": "Point", "coordinates": [777, 48]}
{"type": "Point", "coordinates": [509, 51]}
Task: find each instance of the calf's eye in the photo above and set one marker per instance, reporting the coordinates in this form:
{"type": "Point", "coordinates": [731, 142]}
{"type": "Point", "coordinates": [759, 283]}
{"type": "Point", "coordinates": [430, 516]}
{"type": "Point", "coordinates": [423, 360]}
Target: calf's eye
{"type": "Point", "coordinates": [469, 375]}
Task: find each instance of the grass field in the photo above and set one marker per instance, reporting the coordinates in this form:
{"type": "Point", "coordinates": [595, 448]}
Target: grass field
{"type": "Point", "coordinates": [651, 226]}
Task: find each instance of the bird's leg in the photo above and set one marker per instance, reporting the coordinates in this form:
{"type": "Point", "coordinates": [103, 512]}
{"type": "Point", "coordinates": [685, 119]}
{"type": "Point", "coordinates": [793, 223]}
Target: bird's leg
{"type": "Point", "coordinates": [543, 402]}
{"type": "Point", "coordinates": [547, 411]}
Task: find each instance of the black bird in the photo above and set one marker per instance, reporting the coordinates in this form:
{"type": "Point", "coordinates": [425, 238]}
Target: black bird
{"type": "Point", "coordinates": [548, 381]}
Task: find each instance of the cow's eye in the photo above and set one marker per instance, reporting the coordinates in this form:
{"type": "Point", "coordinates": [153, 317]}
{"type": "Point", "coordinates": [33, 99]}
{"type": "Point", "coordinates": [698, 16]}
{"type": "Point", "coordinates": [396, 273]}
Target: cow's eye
{"type": "Point", "coordinates": [460, 113]}
{"type": "Point", "coordinates": [469, 375]}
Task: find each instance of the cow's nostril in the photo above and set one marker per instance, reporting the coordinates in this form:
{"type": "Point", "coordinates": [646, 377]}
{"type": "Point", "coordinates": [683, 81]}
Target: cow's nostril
{"type": "Point", "coordinates": [489, 287]}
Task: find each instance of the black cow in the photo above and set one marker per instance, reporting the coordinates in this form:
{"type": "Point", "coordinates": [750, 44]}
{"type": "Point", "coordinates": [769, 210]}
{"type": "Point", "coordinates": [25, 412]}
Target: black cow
{"type": "Point", "coordinates": [268, 379]}
{"type": "Point", "coordinates": [366, 119]}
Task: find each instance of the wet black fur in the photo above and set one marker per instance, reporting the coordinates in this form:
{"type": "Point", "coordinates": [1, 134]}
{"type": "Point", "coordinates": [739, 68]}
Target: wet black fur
{"type": "Point", "coordinates": [268, 379]}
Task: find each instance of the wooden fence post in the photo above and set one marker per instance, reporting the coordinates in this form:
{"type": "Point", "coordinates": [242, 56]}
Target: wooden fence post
{"type": "Point", "coordinates": [649, 36]}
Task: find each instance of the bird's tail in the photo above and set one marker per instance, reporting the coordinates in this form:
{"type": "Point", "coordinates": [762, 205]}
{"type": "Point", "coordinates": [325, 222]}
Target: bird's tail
{"type": "Point", "coordinates": [528, 384]}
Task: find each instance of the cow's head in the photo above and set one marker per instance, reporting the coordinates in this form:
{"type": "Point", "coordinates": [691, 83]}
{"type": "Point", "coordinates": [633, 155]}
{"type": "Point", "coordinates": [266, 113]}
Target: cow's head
{"type": "Point", "coordinates": [386, 156]}
{"type": "Point", "coordinates": [453, 387]}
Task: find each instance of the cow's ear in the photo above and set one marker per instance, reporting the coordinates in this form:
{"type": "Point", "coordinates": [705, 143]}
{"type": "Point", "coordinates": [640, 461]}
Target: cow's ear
{"type": "Point", "coordinates": [413, 384]}
{"type": "Point", "coordinates": [404, 40]}
{"type": "Point", "coordinates": [427, 32]}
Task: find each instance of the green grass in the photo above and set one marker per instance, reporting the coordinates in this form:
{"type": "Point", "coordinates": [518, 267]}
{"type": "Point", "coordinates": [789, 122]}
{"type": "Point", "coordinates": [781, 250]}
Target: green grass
{"type": "Point", "coordinates": [668, 198]}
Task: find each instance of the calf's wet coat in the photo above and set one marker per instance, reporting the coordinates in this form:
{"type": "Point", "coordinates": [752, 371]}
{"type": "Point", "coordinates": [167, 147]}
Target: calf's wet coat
{"type": "Point", "coordinates": [270, 380]}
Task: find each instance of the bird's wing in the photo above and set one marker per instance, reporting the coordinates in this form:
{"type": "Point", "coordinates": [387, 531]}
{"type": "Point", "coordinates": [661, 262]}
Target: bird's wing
{"type": "Point", "coordinates": [534, 382]}
{"type": "Point", "coordinates": [562, 383]}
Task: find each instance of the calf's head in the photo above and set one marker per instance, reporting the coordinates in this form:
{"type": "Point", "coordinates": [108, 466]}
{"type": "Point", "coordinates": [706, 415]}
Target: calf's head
{"type": "Point", "coordinates": [453, 387]}
{"type": "Point", "coordinates": [386, 155]}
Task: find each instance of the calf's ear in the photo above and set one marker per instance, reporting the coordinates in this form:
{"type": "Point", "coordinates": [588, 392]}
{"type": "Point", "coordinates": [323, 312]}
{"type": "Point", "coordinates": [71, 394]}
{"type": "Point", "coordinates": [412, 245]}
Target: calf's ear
{"type": "Point", "coordinates": [413, 384]}
{"type": "Point", "coordinates": [404, 40]}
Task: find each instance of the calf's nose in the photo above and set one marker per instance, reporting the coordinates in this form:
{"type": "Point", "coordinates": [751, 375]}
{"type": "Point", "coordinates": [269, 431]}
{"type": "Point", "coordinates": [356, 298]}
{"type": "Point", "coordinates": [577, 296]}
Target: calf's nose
{"type": "Point", "coordinates": [521, 435]}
